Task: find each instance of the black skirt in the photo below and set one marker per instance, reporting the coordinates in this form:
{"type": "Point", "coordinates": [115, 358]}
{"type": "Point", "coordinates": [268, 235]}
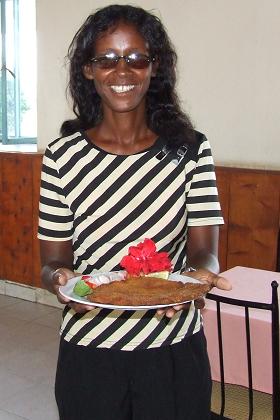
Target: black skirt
{"type": "Point", "coordinates": [165, 383]}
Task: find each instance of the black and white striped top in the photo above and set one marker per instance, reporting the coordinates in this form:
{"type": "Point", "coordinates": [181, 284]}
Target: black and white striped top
{"type": "Point", "coordinates": [105, 203]}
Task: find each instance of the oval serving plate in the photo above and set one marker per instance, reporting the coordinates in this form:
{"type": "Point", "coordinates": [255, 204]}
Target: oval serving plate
{"type": "Point", "coordinates": [67, 292]}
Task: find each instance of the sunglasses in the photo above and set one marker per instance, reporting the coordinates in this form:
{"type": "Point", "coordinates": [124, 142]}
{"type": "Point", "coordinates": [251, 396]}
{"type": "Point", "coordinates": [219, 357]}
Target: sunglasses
{"type": "Point", "coordinates": [133, 60]}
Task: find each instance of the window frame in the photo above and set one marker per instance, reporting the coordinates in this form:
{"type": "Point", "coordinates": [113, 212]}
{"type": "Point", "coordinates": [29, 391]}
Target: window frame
{"type": "Point", "coordinates": [4, 138]}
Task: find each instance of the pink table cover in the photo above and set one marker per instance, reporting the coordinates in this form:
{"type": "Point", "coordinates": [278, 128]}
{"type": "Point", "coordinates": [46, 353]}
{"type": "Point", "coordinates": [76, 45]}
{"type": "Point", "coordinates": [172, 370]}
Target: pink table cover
{"type": "Point", "coordinates": [253, 285]}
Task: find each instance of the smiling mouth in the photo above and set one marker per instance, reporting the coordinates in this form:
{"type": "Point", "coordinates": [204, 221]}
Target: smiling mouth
{"type": "Point", "coordinates": [122, 88]}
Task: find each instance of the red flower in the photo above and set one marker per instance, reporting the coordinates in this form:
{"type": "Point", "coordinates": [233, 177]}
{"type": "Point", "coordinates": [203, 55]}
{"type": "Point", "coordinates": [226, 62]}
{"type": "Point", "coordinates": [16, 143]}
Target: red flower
{"type": "Point", "coordinates": [143, 258]}
{"type": "Point", "coordinates": [131, 265]}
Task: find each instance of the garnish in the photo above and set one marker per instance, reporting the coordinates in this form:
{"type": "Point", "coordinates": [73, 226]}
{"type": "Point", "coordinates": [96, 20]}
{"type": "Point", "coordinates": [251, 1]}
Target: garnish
{"type": "Point", "coordinates": [81, 288]}
{"type": "Point", "coordinates": [144, 259]}
{"type": "Point", "coordinates": [88, 280]}
{"type": "Point", "coordinates": [84, 286]}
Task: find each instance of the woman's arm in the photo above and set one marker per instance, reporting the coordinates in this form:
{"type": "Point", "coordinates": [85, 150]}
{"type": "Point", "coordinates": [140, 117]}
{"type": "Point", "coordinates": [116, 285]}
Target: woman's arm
{"type": "Point", "coordinates": [202, 255]}
{"type": "Point", "coordinates": [55, 255]}
{"type": "Point", "coordinates": [57, 268]}
{"type": "Point", "coordinates": [202, 247]}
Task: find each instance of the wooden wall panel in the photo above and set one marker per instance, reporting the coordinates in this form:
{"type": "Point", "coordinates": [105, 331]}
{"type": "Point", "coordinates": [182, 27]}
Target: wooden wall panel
{"type": "Point", "coordinates": [223, 188]}
{"type": "Point", "coordinates": [16, 218]}
{"type": "Point", "coordinates": [36, 172]}
{"type": "Point", "coordinates": [253, 219]}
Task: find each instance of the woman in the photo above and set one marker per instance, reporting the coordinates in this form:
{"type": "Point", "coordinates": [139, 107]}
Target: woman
{"type": "Point", "coordinates": [129, 167]}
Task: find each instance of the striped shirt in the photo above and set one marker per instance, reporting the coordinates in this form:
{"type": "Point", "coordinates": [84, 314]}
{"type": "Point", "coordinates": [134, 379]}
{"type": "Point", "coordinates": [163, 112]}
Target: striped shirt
{"type": "Point", "coordinates": [105, 203]}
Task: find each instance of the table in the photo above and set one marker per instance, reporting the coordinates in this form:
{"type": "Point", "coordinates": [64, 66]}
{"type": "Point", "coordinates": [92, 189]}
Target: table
{"type": "Point", "coordinates": [253, 285]}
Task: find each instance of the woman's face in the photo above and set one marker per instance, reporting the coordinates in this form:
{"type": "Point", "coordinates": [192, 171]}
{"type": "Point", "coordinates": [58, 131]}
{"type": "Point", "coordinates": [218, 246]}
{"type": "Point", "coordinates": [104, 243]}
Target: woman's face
{"type": "Point", "coordinates": [121, 88]}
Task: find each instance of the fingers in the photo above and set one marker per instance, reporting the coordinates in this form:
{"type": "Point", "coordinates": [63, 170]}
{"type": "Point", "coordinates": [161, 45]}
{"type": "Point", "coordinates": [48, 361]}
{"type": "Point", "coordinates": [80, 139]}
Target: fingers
{"type": "Point", "coordinates": [222, 283]}
{"type": "Point", "coordinates": [213, 279]}
{"type": "Point", "coordinates": [62, 275]}
{"type": "Point", "coordinates": [61, 298]}
{"type": "Point", "coordinates": [171, 311]}
{"type": "Point", "coordinates": [199, 303]}
{"type": "Point", "coordinates": [81, 308]}
{"type": "Point", "coordinates": [168, 312]}
{"type": "Point", "coordinates": [60, 278]}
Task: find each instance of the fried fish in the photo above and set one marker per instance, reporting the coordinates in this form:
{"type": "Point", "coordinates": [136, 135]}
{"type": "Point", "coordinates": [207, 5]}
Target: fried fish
{"type": "Point", "coordinates": [147, 291]}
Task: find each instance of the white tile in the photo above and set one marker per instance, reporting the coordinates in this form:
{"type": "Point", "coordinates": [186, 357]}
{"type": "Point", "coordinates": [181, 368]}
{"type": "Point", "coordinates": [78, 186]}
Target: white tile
{"type": "Point", "coordinates": [11, 384]}
{"type": "Point", "coordinates": [10, 327]}
{"type": "Point", "coordinates": [29, 343]}
{"type": "Point", "coordinates": [20, 291]}
{"type": "Point", "coordinates": [2, 287]}
{"type": "Point", "coordinates": [52, 349]}
{"type": "Point", "coordinates": [35, 336]}
{"type": "Point", "coordinates": [52, 320]}
{"type": "Point", "coordinates": [8, 300]}
{"type": "Point", "coordinates": [34, 366]}
{"type": "Point", "coordinates": [27, 311]}
{"type": "Point", "coordinates": [36, 403]}
{"type": "Point", "coordinates": [45, 297]}
{"type": "Point", "coordinates": [4, 415]}
{"type": "Point", "coordinates": [29, 293]}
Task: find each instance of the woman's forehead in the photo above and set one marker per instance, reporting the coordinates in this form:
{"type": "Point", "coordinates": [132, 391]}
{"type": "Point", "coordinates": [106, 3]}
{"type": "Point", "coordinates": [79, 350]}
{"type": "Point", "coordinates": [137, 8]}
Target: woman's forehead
{"type": "Point", "coordinates": [121, 36]}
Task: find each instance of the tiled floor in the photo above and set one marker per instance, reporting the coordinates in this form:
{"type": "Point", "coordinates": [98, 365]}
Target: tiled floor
{"type": "Point", "coordinates": [29, 340]}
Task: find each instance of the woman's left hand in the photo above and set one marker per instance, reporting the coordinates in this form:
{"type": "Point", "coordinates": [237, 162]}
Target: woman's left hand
{"type": "Point", "coordinates": [204, 276]}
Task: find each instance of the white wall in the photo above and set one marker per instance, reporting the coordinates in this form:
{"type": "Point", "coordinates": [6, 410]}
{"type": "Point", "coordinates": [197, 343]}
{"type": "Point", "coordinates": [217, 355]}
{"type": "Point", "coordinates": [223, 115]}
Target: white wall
{"type": "Point", "coordinates": [229, 66]}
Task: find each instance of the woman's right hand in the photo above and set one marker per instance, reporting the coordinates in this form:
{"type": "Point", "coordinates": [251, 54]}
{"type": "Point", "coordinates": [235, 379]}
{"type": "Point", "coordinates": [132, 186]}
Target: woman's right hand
{"type": "Point", "coordinates": [60, 278]}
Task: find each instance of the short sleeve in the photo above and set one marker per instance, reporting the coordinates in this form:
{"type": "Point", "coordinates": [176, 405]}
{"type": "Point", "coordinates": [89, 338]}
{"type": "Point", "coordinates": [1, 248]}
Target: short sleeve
{"type": "Point", "coordinates": [55, 217]}
{"type": "Point", "coordinates": [202, 198]}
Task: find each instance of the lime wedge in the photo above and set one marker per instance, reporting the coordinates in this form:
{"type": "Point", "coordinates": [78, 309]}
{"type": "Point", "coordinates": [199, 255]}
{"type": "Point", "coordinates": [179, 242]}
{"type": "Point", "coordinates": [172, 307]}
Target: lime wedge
{"type": "Point", "coordinates": [81, 288]}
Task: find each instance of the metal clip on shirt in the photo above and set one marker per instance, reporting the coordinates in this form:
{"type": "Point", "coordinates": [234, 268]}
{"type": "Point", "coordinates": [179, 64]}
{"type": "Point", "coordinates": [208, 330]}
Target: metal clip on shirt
{"type": "Point", "coordinates": [180, 153]}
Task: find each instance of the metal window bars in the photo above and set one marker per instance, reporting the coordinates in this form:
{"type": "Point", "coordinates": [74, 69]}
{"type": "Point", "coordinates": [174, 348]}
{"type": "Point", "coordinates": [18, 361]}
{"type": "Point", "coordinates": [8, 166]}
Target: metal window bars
{"type": "Point", "coordinates": [274, 308]}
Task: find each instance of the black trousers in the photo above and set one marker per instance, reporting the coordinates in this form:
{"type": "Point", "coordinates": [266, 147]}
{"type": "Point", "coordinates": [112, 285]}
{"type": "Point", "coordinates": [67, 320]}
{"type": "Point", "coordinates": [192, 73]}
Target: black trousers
{"type": "Point", "coordinates": [166, 383]}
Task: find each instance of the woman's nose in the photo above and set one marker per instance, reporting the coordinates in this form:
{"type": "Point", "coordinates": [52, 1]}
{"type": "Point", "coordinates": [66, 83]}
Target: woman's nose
{"type": "Point", "coordinates": [122, 66]}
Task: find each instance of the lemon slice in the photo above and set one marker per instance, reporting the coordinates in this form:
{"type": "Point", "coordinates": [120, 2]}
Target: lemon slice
{"type": "Point", "coordinates": [159, 274]}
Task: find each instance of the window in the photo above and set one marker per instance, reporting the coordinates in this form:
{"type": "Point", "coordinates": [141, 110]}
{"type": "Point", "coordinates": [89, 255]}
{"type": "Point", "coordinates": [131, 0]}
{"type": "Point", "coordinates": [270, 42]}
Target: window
{"type": "Point", "coordinates": [18, 116]}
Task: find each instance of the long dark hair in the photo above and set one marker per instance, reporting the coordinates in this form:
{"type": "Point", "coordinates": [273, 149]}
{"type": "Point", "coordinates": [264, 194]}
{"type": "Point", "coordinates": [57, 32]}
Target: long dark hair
{"type": "Point", "coordinates": [164, 115]}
